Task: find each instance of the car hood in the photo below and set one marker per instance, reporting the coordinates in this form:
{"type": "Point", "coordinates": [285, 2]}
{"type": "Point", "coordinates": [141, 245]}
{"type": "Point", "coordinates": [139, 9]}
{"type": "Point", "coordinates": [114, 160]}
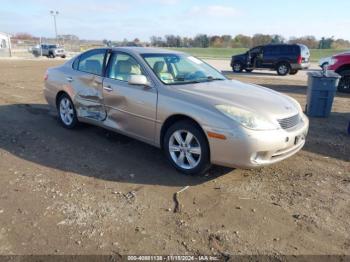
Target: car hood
{"type": "Point", "coordinates": [342, 54]}
{"type": "Point", "coordinates": [256, 99]}
{"type": "Point", "coordinates": [239, 56]}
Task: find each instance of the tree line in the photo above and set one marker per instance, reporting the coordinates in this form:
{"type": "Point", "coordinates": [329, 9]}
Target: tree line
{"type": "Point", "coordinates": [204, 41]}
{"type": "Point", "coordinates": [244, 41]}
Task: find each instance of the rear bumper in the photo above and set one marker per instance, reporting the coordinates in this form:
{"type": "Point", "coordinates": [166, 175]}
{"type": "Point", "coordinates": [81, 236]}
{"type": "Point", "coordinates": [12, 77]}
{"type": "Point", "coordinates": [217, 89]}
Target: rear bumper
{"type": "Point", "coordinates": [300, 66]}
{"type": "Point", "coordinates": [50, 97]}
{"type": "Point", "coordinates": [252, 149]}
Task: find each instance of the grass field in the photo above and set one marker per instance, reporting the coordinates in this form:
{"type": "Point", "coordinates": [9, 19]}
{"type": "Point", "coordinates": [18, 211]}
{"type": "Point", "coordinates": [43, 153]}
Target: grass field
{"type": "Point", "coordinates": [226, 53]}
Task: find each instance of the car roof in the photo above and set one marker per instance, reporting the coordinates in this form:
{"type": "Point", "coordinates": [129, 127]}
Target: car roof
{"type": "Point", "coordinates": [145, 50]}
{"type": "Point", "coordinates": [282, 44]}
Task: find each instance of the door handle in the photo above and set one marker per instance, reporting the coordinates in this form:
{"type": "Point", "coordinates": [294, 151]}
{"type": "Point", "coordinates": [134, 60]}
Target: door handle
{"type": "Point", "coordinates": [108, 88]}
{"type": "Point", "coordinates": [69, 79]}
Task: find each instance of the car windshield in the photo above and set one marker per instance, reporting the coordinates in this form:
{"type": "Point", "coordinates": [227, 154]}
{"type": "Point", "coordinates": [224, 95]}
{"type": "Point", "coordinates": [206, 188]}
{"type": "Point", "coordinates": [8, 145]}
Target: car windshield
{"type": "Point", "coordinates": [174, 69]}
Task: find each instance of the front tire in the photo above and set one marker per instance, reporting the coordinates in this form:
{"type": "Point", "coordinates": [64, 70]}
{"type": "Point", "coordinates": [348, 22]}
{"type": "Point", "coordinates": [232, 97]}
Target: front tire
{"type": "Point", "coordinates": [237, 67]}
{"type": "Point", "coordinates": [344, 83]}
{"type": "Point", "coordinates": [186, 148]}
{"type": "Point", "coordinates": [66, 112]}
{"type": "Point", "coordinates": [283, 69]}
{"type": "Point", "coordinates": [249, 70]}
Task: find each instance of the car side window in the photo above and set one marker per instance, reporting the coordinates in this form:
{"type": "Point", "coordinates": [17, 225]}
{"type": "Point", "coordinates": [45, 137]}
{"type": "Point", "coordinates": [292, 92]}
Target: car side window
{"type": "Point", "coordinates": [268, 50]}
{"type": "Point", "coordinates": [92, 62]}
{"type": "Point", "coordinates": [122, 66]}
{"type": "Point", "coordinates": [255, 50]}
{"type": "Point", "coordinates": [285, 50]}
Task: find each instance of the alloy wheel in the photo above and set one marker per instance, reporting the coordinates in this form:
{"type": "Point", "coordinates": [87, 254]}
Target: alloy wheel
{"type": "Point", "coordinates": [66, 111]}
{"type": "Point", "coordinates": [283, 69]}
{"type": "Point", "coordinates": [237, 67]}
{"type": "Point", "coordinates": [185, 149]}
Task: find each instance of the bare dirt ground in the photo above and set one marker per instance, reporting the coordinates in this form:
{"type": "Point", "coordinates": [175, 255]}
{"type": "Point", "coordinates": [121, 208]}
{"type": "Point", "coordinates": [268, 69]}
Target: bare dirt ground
{"type": "Point", "coordinates": [91, 191]}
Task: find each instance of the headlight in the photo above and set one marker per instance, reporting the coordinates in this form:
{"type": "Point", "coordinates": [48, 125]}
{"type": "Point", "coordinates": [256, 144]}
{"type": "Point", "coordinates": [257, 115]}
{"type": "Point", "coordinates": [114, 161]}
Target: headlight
{"type": "Point", "coordinates": [333, 61]}
{"type": "Point", "coordinates": [246, 118]}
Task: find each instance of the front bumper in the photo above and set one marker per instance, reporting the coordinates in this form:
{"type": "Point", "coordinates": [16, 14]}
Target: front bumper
{"type": "Point", "coordinates": [252, 149]}
{"type": "Point", "coordinates": [60, 53]}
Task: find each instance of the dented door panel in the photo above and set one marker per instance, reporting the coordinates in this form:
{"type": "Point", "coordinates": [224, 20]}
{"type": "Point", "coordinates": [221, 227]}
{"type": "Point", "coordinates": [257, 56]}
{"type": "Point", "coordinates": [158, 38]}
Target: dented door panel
{"type": "Point", "coordinates": [131, 109]}
{"type": "Point", "coordinates": [88, 95]}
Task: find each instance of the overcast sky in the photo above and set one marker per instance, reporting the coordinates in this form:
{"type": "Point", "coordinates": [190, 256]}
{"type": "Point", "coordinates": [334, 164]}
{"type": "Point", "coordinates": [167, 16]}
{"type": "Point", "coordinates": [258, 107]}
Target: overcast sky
{"type": "Point", "coordinates": [116, 19]}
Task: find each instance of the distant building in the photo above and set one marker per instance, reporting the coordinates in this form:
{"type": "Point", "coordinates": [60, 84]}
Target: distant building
{"type": "Point", "coordinates": [68, 37]}
{"type": "Point", "coordinates": [5, 45]}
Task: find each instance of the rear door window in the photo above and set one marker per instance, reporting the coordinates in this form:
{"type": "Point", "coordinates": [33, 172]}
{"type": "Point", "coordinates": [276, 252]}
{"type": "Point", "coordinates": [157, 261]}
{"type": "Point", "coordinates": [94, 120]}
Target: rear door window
{"type": "Point", "coordinates": [285, 49]}
{"type": "Point", "coordinates": [92, 62]}
{"type": "Point", "coordinates": [76, 63]}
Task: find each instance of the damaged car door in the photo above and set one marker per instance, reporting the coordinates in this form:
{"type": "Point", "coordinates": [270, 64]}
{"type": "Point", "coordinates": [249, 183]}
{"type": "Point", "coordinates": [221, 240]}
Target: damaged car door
{"type": "Point", "coordinates": [86, 79]}
{"type": "Point", "coordinates": [131, 108]}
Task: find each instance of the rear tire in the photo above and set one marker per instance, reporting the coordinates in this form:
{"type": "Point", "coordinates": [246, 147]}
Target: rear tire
{"type": "Point", "coordinates": [283, 68]}
{"type": "Point", "coordinates": [186, 148]}
{"type": "Point", "coordinates": [237, 67]}
{"type": "Point", "coordinates": [67, 114]}
{"type": "Point", "coordinates": [293, 72]}
{"type": "Point", "coordinates": [249, 70]}
{"type": "Point", "coordinates": [344, 83]}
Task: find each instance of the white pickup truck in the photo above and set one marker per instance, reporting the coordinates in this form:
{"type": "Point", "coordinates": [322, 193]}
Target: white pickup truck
{"type": "Point", "coordinates": [49, 50]}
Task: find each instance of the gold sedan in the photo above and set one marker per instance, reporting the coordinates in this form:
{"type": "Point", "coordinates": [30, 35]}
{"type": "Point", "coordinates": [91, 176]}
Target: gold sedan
{"type": "Point", "coordinates": [177, 102]}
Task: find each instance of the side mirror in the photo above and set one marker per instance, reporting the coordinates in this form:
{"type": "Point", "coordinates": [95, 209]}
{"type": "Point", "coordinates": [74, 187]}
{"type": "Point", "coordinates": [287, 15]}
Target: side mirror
{"type": "Point", "coordinates": [139, 80]}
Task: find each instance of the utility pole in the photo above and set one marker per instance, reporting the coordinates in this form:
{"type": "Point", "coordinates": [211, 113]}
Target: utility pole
{"type": "Point", "coordinates": [54, 14]}
{"type": "Point", "coordinates": [10, 47]}
{"type": "Point", "coordinates": [41, 47]}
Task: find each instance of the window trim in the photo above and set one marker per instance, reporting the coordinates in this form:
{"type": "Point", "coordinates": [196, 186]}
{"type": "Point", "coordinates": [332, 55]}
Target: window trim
{"type": "Point", "coordinates": [75, 60]}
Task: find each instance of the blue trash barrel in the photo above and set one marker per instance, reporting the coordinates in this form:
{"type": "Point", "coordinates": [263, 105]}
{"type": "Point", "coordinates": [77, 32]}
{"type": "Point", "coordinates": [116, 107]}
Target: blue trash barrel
{"type": "Point", "coordinates": [322, 87]}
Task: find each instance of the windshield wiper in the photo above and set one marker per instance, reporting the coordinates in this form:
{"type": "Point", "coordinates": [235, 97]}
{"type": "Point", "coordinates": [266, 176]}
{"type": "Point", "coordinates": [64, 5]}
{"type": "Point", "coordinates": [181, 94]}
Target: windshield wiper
{"type": "Point", "coordinates": [196, 81]}
{"type": "Point", "coordinates": [210, 78]}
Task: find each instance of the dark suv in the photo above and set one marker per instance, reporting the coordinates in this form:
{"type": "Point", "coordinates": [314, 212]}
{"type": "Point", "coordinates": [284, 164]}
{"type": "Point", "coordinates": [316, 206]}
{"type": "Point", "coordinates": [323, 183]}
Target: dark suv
{"type": "Point", "coordinates": [285, 59]}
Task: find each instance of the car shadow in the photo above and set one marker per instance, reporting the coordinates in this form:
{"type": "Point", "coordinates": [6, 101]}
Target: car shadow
{"type": "Point", "coordinates": [31, 132]}
{"type": "Point", "coordinates": [329, 136]}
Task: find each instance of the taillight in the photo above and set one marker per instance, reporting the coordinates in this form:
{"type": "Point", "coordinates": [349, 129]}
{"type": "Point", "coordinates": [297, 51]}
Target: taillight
{"type": "Point", "coordinates": [46, 76]}
{"type": "Point", "coordinates": [300, 59]}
